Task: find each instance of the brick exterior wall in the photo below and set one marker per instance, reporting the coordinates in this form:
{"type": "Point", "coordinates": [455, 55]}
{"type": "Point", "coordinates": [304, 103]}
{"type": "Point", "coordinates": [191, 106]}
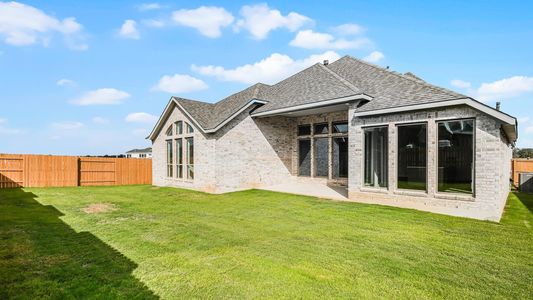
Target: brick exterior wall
{"type": "Point", "coordinates": [253, 153]}
{"type": "Point", "coordinates": [491, 175]}
{"type": "Point", "coordinates": [245, 153]}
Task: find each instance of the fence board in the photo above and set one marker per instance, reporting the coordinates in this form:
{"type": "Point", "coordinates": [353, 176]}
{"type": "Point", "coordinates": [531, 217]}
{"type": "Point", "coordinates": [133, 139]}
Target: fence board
{"type": "Point", "coordinates": [47, 171]}
{"type": "Point", "coordinates": [521, 166]}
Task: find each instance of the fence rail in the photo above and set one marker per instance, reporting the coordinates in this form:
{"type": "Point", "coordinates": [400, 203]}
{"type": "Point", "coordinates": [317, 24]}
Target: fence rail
{"type": "Point", "coordinates": [521, 165]}
{"type": "Point", "coordinates": [26, 170]}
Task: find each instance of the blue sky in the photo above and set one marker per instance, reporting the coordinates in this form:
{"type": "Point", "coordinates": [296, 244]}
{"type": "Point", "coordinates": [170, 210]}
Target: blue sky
{"type": "Point", "coordinates": [91, 77]}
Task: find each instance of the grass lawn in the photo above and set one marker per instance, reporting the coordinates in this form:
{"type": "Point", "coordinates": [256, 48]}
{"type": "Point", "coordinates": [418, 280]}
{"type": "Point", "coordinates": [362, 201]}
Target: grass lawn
{"type": "Point", "coordinates": [145, 242]}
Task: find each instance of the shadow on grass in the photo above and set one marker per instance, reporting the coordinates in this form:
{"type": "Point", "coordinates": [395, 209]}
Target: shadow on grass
{"type": "Point", "coordinates": [526, 199]}
{"type": "Point", "coordinates": [43, 257]}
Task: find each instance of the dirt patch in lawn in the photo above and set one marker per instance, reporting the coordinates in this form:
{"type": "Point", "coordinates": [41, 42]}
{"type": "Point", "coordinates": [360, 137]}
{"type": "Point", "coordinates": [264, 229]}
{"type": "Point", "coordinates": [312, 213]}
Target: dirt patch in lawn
{"type": "Point", "coordinates": [97, 208]}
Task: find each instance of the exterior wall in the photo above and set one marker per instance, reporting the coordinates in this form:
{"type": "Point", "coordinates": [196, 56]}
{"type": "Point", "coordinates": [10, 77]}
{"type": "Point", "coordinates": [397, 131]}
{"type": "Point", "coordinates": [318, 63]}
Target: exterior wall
{"type": "Point", "coordinates": [492, 166]}
{"type": "Point", "coordinates": [204, 170]}
{"type": "Point", "coordinates": [314, 119]}
{"type": "Point", "coordinates": [252, 153]}
{"type": "Point", "coordinates": [246, 153]}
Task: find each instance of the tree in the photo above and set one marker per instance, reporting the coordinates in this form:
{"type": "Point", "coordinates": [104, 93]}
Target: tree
{"type": "Point", "coordinates": [523, 153]}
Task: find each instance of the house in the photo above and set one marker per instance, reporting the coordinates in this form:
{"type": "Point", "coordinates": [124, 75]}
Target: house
{"type": "Point", "coordinates": [139, 153]}
{"type": "Point", "coordinates": [388, 138]}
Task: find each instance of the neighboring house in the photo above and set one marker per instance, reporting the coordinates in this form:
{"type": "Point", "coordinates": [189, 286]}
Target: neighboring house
{"type": "Point", "coordinates": [391, 138]}
{"type": "Point", "coordinates": [139, 153]}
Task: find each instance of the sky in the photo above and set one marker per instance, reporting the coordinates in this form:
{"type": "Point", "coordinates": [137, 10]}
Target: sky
{"type": "Point", "coordinates": [92, 77]}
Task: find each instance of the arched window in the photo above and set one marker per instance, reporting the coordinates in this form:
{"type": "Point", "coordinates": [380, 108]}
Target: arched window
{"type": "Point", "coordinates": [189, 128]}
{"type": "Point", "coordinates": [169, 131]}
{"type": "Point", "coordinates": [180, 151]}
{"type": "Point", "coordinates": [179, 127]}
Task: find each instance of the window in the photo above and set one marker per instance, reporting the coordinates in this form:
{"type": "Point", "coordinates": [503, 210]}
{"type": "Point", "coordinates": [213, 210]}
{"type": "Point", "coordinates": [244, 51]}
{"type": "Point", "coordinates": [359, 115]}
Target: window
{"type": "Point", "coordinates": [321, 156]}
{"type": "Point", "coordinates": [190, 158]}
{"type": "Point", "coordinates": [179, 158]}
{"type": "Point", "coordinates": [304, 157]}
{"type": "Point", "coordinates": [179, 127]}
{"type": "Point", "coordinates": [340, 127]}
{"type": "Point", "coordinates": [455, 156]}
{"type": "Point", "coordinates": [340, 157]}
{"type": "Point", "coordinates": [169, 159]}
{"type": "Point", "coordinates": [376, 157]}
{"type": "Point", "coordinates": [412, 156]}
{"type": "Point", "coordinates": [189, 128]}
{"type": "Point", "coordinates": [169, 131]}
{"type": "Point", "coordinates": [321, 128]}
{"type": "Point", "coordinates": [304, 130]}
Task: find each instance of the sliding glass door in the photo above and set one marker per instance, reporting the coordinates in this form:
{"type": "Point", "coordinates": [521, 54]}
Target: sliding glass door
{"type": "Point", "coordinates": [376, 157]}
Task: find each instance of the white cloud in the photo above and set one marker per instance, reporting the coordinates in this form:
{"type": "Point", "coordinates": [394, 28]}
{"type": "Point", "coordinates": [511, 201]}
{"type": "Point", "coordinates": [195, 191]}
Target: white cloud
{"type": "Point", "coordinates": [309, 39]}
{"type": "Point", "coordinates": [374, 57]}
{"type": "Point", "coordinates": [68, 125]}
{"type": "Point", "coordinates": [505, 88]}
{"type": "Point", "coordinates": [208, 20]}
{"type": "Point", "coordinates": [348, 29]}
{"type": "Point", "coordinates": [129, 30]}
{"type": "Point", "coordinates": [529, 129]}
{"type": "Point", "coordinates": [100, 120]}
{"type": "Point", "coordinates": [268, 70]}
{"type": "Point", "coordinates": [149, 6]}
{"type": "Point", "coordinates": [22, 25]}
{"type": "Point", "coordinates": [65, 82]}
{"type": "Point", "coordinates": [101, 96]}
{"type": "Point", "coordinates": [179, 83]}
{"type": "Point", "coordinates": [141, 117]}
{"type": "Point", "coordinates": [259, 20]}
{"type": "Point", "coordinates": [460, 84]}
{"type": "Point", "coordinates": [3, 120]}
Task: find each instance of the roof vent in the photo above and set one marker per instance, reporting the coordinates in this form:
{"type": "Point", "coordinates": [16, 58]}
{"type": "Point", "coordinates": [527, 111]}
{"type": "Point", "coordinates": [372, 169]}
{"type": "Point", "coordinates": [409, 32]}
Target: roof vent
{"type": "Point", "coordinates": [498, 104]}
{"type": "Point", "coordinates": [326, 62]}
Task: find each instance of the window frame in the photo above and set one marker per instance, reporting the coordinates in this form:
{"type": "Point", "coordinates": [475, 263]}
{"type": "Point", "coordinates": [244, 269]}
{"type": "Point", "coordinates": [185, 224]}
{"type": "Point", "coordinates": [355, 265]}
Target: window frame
{"type": "Point", "coordinates": [170, 169]}
{"type": "Point", "coordinates": [179, 162]}
{"type": "Point", "coordinates": [426, 123]}
{"type": "Point", "coordinates": [363, 184]}
{"type": "Point", "coordinates": [188, 164]}
{"type": "Point", "coordinates": [474, 144]}
{"type": "Point", "coordinates": [180, 127]}
{"type": "Point", "coordinates": [320, 123]}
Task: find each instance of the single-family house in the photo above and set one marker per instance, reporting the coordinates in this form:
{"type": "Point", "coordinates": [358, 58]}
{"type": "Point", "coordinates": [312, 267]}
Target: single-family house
{"type": "Point", "coordinates": [139, 153]}
{"type": "Point", "coordinates": [388, 138]}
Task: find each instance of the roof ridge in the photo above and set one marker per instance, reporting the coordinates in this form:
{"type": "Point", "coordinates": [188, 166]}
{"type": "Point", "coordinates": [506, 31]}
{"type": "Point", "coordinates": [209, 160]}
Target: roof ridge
{"type": "Point", "coordinates": [192, 100]}
{"type": "Point", "coordinates": [341, 79]}
{"type": "Point", "coordinates": [450, 92]}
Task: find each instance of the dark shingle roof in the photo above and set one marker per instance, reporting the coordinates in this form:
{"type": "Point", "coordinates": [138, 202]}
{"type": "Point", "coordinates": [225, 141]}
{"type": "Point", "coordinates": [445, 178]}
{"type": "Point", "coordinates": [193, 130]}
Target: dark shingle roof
{"type": "Point", "coordinates": [347, 76]}
{"type": "Point", "coordinates": [389, 89]}
{"type": "Point", "coordinates": [313, 84]}
{"type": "Point", "coordinates": [210, 115]}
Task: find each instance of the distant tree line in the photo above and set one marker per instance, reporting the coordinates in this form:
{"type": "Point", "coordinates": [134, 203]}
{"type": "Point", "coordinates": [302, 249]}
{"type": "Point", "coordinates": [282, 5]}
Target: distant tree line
{"type": "Point", "coordinates": [523, 153]}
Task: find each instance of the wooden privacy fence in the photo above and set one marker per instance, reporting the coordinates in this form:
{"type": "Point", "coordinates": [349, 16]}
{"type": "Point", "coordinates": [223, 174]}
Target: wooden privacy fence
{"type": "Point", "coordinates": [521, 165]}
{"type": "Point", "coordinates": [17, 170]}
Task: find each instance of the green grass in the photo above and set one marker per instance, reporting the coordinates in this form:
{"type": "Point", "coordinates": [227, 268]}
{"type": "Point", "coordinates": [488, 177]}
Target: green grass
{"type": "Point", "coordinates": [172, 243]}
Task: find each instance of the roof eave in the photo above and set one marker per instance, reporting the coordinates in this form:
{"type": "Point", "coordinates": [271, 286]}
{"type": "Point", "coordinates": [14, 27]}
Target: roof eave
{"type": "Point", "coordinates": [318, 104]}
{"type": "Point", "coordinates": [510, 123]}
